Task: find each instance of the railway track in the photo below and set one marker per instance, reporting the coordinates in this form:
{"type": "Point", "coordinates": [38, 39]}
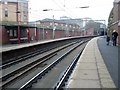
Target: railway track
{"type": "Point", "coordinates": [23, 57]}
{"type": "Point", "coordinates": [55, 75]}
{"type": "Point", "coordinates": [18, 55]}
{"type": "Point", "coordinates": [29, 55]}
{"type": "Point", "coordinates": [39, 61]}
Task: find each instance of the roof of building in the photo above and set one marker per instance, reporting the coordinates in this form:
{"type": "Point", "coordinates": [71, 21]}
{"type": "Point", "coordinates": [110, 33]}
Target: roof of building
{"type": "Point", "coordinates": [64, 21]}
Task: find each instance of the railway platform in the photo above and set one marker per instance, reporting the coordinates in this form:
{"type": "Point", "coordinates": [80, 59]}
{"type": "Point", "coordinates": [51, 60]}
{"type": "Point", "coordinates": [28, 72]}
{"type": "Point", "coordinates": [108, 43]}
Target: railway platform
{"type": "Point", "coordinates": [97, 66]}
{"type": "Point", "coordinates": [9, 47]}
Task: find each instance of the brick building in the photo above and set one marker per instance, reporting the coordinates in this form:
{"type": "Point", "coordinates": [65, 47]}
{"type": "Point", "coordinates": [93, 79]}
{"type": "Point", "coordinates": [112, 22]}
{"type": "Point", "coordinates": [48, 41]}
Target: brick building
{"type": "Point", "coordinates": [14, 14]}
{"type": "Point", "coordinates": [114, 19]}
{"type": "Point", "coordinates": [14, 11]}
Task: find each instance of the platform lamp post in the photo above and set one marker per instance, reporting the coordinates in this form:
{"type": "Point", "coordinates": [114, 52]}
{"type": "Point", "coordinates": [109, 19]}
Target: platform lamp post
{"type": "Point", "coordinates": [18, 28]}
{"type": "Point", "coordinates": [53, 31]}
{"type": "Point", "coordinates": [36, 31]}
{"type": "Point", "coordinates": [28, 32]}
{"type": "Point", "coordinates": [104, 21]}
{"type": "Point", "coordinates": [43, 33]}
{"type": "Point", "coordinates": [54, 27]}
{"type": "Point", "coordinates": [104, 27]}
{"type": "Point", "coordinates": [83, 7]}
{"type": "Point", "coordinates": [18, 22]}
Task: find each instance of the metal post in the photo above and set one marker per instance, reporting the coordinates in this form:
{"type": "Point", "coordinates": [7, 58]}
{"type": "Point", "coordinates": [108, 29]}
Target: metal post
{"type": "Point", "coordinates": [104, 27]}
{"type": "Point", "coordinates": [43, 32]}
{"type": "Point", "coordinates": [28, 32]}
{"type": "Point", "coordinates": [18, 22]}
{"type": "Point", "coordinates": [36, 34]}
{"type": "Point", "coordinates": [18, 34]}
{"type": "Point", "coordinates": [53, 28]}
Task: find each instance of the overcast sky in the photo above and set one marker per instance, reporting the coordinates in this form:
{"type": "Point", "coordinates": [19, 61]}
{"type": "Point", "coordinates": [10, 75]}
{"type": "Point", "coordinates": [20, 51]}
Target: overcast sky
{"type": "Point", "coordinates": [98, 9]}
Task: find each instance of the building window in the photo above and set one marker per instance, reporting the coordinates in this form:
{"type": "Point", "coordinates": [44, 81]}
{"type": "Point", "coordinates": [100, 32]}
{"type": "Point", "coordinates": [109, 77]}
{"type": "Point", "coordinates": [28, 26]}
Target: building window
{"type": "Point", "coordinates": [11, 33]}
{"type": "Point", "coordinates": [6, 12]}
{"type": "Point", "coordinates": [15, 33]}
{"type": "Point", "coordinates": [23, 33]}
{"type": "Point", "coordinates": [25, 18]}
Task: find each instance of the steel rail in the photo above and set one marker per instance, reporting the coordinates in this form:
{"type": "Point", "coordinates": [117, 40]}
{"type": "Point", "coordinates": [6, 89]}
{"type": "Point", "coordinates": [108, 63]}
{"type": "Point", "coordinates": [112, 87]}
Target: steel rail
{"type": "Point", "coordinates": [24, 57]}
{"type": "Point", "coordinates": [59, 85]}
{"type": "Point", "coordinates": [27, 70]}
{"type": "Point", "coordinates": [24, 67]}
{"type": "Point", "coordinates": [44, 71]}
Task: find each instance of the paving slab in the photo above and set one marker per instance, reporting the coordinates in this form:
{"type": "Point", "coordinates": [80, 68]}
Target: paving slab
{"type": "Point", "coordinates": [91, 71]}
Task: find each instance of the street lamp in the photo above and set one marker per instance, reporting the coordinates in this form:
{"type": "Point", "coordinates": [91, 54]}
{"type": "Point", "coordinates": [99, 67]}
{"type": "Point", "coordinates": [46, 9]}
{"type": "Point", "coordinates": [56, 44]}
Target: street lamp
{"type": "Point", "coordinates": [53, 34]}
{"type": "Point", "coordinates": [60, 10]}
{"type": "Point", "coordinates": [83, 7]}
{"type": "Point", "coordinates": [52, 10]}
{"type": "Point", "coordinates": [47, 9]}
{"type": "Point", "coordinates": [18, 27]}
{"type": "Point", "coordinates": [53, 28]}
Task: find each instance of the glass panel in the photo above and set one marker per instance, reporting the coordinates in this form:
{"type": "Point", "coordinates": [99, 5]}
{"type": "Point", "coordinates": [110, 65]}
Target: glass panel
{"type": "Point", "coordinates": [11, 33]}
{"type": "Point", "coordinates": [6, 12]}
{"type": "Point", "coordinates": [15, 33]}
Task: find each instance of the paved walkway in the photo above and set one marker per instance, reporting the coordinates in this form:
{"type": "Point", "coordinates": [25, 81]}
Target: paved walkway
{"type": "Point", "coordinates": [91, 71]}
{"type": "Point", "coordinates": [110, 56]}
{"type": "Point", "coordinates": [9, 47]}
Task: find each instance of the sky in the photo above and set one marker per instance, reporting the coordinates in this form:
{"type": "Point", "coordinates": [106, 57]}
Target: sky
{"type": "Point", "coordinates": [98, 9]}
